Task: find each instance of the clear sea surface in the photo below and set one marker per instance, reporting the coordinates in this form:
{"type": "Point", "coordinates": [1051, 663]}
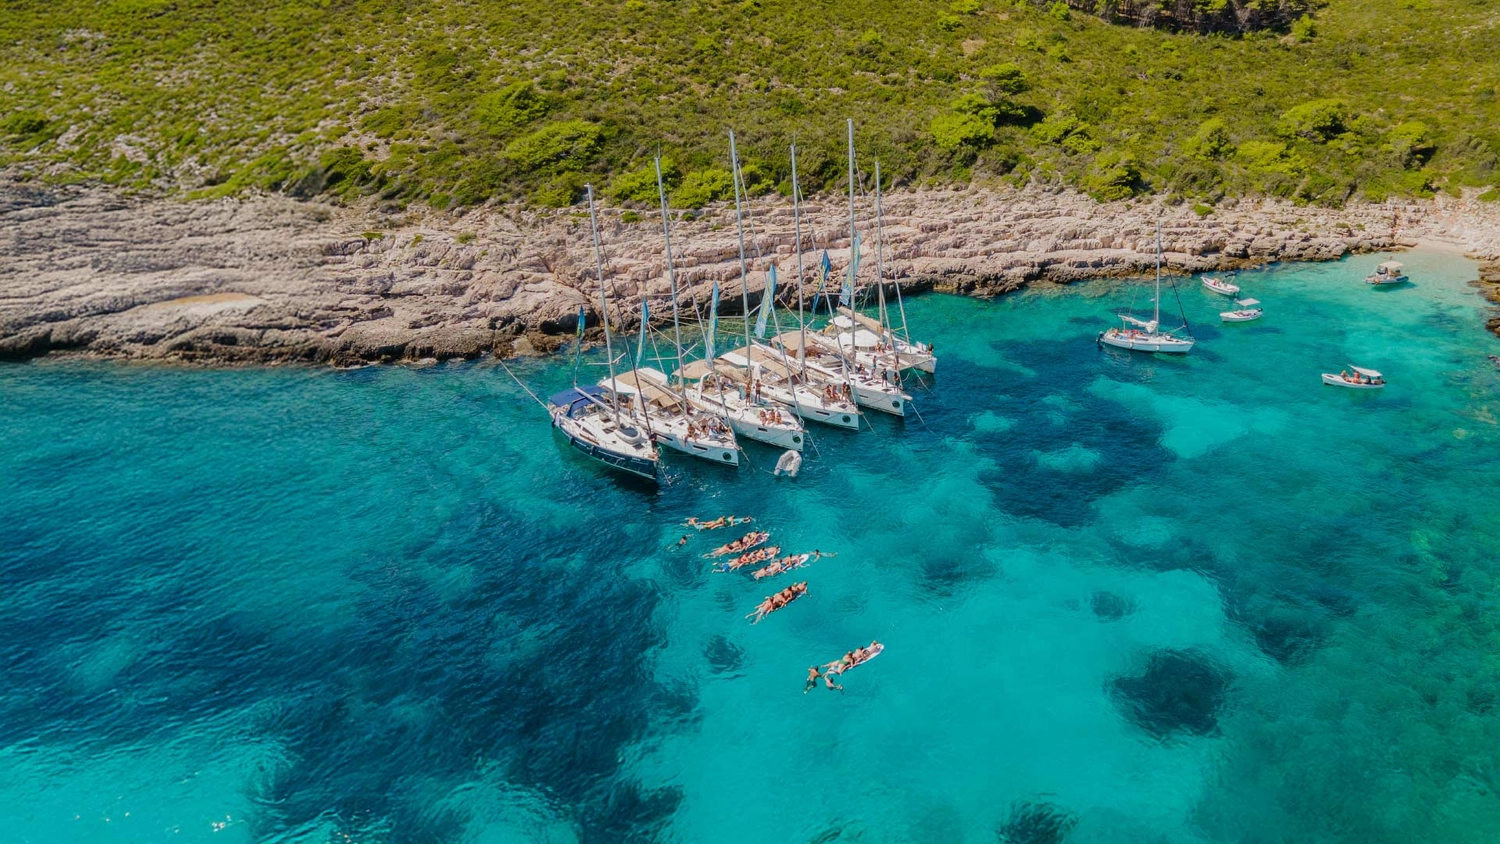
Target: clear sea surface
{"type": "Point", "coordinates": [1124, 598]}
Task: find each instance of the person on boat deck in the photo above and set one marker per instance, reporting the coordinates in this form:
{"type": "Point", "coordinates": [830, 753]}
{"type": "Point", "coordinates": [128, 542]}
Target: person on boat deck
{"type": "Point", "coordinates": [812, 678]}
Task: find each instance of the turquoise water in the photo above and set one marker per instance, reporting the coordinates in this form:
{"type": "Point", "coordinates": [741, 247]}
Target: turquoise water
{"type": "Point", "coordinates": [1124, 599]}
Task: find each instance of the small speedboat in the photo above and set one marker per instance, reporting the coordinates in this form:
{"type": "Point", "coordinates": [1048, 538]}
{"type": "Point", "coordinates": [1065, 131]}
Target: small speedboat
{"type": "Point", "coordinates": [1248, 310]}
{"type": "Point", "coordinates": [1359, 378]}
{"type": "Point", "coordinates": [1391, 272]}
{"type": "Point", "coordinates": [1221, 285]}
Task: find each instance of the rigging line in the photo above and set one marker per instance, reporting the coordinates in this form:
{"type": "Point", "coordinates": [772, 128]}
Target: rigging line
{"type": "Point", "coordinates": [522, 385]}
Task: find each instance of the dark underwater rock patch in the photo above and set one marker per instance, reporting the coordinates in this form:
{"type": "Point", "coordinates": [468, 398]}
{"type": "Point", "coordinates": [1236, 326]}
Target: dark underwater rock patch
{"type": "Point", "coordinates": [724, 656]}
{"type": "Point", "coordinates": [1035, 823]}
{"type": "Point", "coordinates": [1287, 638]}
{"type": "Point", "coordinates": [1111, 607]}
{"type": "Point", "coordinates": [1181, 691]}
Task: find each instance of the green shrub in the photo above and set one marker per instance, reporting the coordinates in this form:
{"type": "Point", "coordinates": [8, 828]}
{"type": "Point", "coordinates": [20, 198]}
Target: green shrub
{"type": "Point", "coordinates": [1059, 10]}
{"type": "Point", "coordinates": [639, 185]}
{"type": "Point", "coordinates": [23, 124]}
{"type": "Point", "coordinates": [511, 107]}
{"type": "Point", "coordinates": [964, 7]}
{"type": "Point", "coordinates": [1203, 210]}
{"type": "Point", "coordinates": [560, 191]}
{"type": "Point", "coordinates": [630, 217]}
{"type": "Point", "coordinates": [1491, 195]}
{"type": "Point", "coordinates": [385, 122]}
{"type": "Point", "coordinates": [465, 237]}
{"type": "Point", "coordinates": [1113, 176]}
{"type": "Point", "coordinates": [956, 130]}
{"type": "Point", "coordinates": [1303, 28]}
{"type": "Point", "coordinates": [701, 187]}
{"type": "Point", "coordinates": [1316, 120]}
{"type": "Point", "coordinates": [556, 147]}
{"type": "Point", "coordinates": [1007, 79]}
{"type": "Point", "coordinates": [949, 23]}
{"type": "Point", "coordinates": [1269, 156]}
{"type": "Point", "coordinates": [1210, 142]}
{"type": "Point", "coordinates": [1057, 127]}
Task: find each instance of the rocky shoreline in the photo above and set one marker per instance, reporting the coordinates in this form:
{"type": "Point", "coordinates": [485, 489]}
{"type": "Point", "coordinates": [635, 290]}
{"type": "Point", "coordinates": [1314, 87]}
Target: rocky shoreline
{"type": "Point", "coordinates": [87, 271]}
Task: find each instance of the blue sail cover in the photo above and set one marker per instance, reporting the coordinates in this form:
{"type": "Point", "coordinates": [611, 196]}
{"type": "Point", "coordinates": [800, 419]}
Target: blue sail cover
{"type": "Point", "coordinates": [846, 296]}
{"type": "Point", "coordinates": [577, 398]}
{"type": "Point", "coordinates": [640, 346]}
{"type": "Point", "coordinates": [713, 325]}
{"type": "Point", "coordinates": [767, 302]}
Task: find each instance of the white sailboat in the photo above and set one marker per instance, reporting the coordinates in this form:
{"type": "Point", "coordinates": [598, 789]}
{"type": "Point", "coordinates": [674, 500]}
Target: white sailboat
{"type": "Point", "coordinates": [666, 413]}
{"type": "Point", "coordinates": [591, 417]}
{"type": "Point", "coordinates": [769, 374]}
{"type": "Point", "coordinates": [1140, 335]}
{"type": "Point", "coordinates": [878, 346]}
{"type": "Point", "coordinates": [877, 387]}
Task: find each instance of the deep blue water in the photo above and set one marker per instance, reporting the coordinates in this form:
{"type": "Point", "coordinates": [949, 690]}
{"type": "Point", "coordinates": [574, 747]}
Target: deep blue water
{"type": "Point", "coordinates": [1124, 599]}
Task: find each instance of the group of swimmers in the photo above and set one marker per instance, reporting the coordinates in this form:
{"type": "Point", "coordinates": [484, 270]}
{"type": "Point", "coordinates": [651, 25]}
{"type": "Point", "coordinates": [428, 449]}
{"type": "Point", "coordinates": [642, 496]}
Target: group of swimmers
{"type": "Point", "coordinates": [780, 599]}
{"type": "Point", "coordinates": [750, 558]}
{"type": "Point", "coordinates": [744, 543]}
{"type": "Point", "coordinates": [855, 657]}
{"type": "Point", "coordinates": [744, 547]}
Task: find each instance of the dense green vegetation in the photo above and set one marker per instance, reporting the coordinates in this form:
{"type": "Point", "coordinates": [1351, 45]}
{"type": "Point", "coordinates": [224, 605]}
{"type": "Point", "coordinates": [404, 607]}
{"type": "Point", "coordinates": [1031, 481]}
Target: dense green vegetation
{"type": "Point", "coordinates": [457, 103]}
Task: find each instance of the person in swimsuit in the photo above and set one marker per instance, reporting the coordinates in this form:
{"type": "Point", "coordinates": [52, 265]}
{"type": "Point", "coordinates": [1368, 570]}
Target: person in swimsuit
{"type": "Point", "coordinates": [812, 678]}
{"type": "Point", "coordinates": [683, 541]}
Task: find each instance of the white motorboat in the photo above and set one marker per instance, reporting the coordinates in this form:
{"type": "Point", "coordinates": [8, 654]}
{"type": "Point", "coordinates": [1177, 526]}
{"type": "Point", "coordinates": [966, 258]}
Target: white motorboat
{"type": "Point", "coordinates": [789, 464]}
{"type": "Point", "coordinates": [1139, 335]}
{"type": "Point", "coordinates": [1390, 272]}
{"type": "Point", "coordinates": [1248, 310]}
{"type": "Point", "coordinates": [1357, 378]}
{"type": "Point", "coordinates": [1225, 286]}
{"type": "Point", "coordinates": [672, 420]}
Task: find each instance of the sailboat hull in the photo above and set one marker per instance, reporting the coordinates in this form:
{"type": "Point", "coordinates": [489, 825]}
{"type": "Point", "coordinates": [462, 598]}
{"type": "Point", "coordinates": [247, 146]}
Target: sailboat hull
{"type": "Point", "coordinates": [811, 410]}
{"type": "Point", "coordinates": [714, 451]}
{"type": "Point", "coordinates": [1148, 343]}
{"type": "Point", "coordinates": [640, 467]}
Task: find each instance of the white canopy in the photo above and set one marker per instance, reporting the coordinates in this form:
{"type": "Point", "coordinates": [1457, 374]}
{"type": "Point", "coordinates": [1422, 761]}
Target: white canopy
{"type": "Point", "coordinates": [1391, 267]}
{"type": "Point", "coordinates": [1149, 325]}
{"type": "Point", "coordinates": [1247, 302]}
{"type": "Point", "coordinates": [1368, 373]}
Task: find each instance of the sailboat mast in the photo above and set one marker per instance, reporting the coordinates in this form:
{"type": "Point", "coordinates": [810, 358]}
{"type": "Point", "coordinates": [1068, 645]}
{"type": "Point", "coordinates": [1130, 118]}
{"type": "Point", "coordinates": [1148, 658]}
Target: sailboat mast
{"type": "Point", "coordinates": [1157, 317]}
{"type": "Point", "coordinates": [853, 245]}
{"type": "Point", "coordinates": [666, 233]}
{"type": "Point", "coordinates": [880, 271]}
{"type": "Point", "coordinates": [739, 224]}
{"type": "Point", "coordinates": [609, 349]}
{"type": "Point", "coordinates": [797, 224]}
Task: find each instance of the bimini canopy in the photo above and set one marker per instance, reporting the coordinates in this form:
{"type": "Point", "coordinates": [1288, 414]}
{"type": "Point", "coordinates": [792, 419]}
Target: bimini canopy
{"type": "Point", "coordinates": [868, 322]}
{"type": "Point", "coordinates": [632, 383]}
{"type": "Point", "coordinates": [1247, 303]}
{"type": "Point", "coordinates": [1368, 373]}
{"type": "Point", "coordinates": [1391, 268]}
{"type": "Point", "coordinates": [575, 399]}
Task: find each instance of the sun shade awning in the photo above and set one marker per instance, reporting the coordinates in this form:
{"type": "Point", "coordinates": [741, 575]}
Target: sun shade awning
{"type": "Point", "coordinates": [1368, 373]}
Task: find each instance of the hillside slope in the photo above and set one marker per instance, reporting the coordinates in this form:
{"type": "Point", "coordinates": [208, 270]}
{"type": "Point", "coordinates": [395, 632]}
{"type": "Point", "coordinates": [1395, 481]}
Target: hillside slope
{"type": "Point", "coordinates": [457, 103]}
